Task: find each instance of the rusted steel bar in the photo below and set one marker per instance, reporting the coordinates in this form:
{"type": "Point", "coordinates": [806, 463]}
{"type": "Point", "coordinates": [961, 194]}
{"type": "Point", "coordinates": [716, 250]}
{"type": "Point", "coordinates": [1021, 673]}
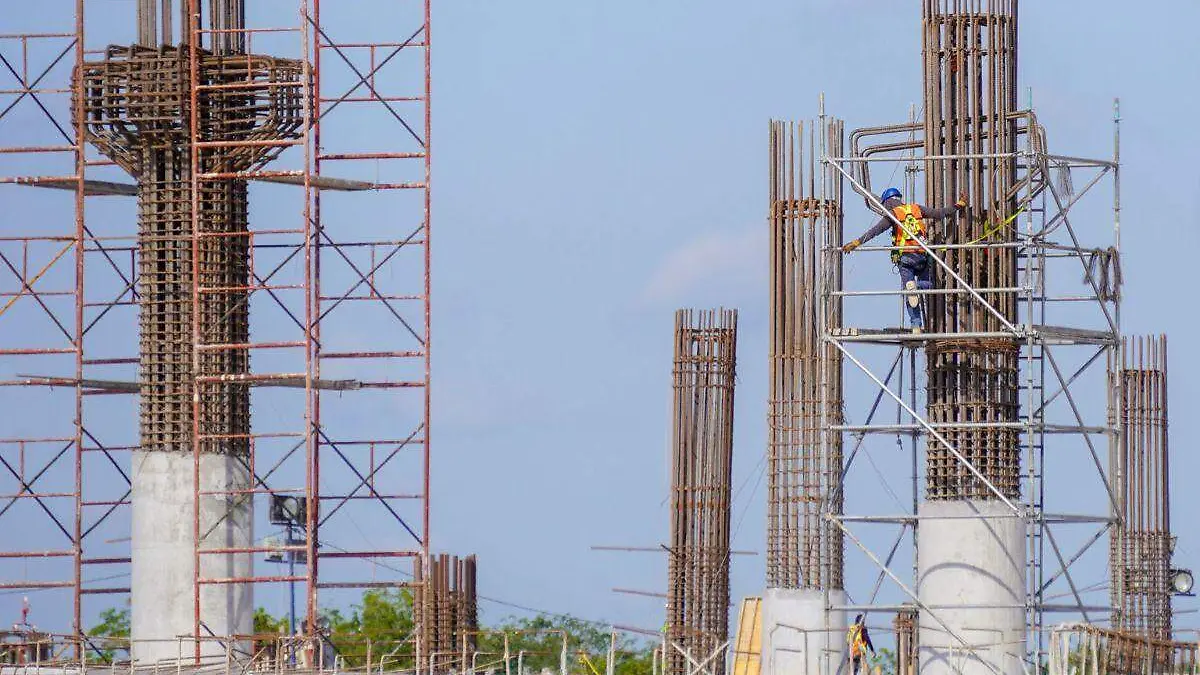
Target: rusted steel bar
{"type": "Point", "coordinates": [1090, 650]}
{"type": "Point", "coordinates": [905, 624]}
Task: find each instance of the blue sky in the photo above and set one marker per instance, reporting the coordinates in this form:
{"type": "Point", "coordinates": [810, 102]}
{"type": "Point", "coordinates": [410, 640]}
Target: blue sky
{"type": "Point", "coordinates": [599, 164]}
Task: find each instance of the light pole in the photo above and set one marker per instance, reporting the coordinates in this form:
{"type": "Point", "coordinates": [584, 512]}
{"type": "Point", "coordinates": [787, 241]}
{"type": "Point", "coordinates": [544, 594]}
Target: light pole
{"type": "Point", "coordinates": [292, 513]}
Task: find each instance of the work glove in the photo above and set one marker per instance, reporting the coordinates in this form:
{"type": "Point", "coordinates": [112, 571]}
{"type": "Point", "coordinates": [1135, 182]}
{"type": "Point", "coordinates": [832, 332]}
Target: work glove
{"type": "Point", "coordinates": [962, 202]}
{"type": "Point", "coordinates": [851, 246]}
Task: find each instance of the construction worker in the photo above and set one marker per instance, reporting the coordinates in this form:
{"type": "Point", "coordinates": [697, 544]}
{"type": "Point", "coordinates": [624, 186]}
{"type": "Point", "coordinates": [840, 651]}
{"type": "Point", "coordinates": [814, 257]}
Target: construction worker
{"type": "Point", "coordinates": [915, 265]}
{"type": "Point", "coordinates": [860, 641]}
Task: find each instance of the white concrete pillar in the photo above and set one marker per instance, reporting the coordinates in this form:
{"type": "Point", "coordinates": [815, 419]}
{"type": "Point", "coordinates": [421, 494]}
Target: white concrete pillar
{"type": "Point", "coordinates": [795, 637]}
{"type": "Point", "coordinates": [971, 575]}
{"type": "Point", "coordinates": [162, 603]}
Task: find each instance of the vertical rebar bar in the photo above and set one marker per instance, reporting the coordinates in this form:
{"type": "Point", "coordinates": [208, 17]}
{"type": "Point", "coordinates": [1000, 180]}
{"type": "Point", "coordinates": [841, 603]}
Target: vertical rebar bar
{"type": "Point", "coordinates": [147, 24]}
{"type": "Point", "coordinates": [905, 624]}
{"type": "Point", "coordinates": [701, 475]}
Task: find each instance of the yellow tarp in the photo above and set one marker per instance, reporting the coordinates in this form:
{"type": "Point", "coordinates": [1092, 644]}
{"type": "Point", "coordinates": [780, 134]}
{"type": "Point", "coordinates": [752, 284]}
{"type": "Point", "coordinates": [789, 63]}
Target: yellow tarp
{"type": "Point", "coordinates": [747, 655]}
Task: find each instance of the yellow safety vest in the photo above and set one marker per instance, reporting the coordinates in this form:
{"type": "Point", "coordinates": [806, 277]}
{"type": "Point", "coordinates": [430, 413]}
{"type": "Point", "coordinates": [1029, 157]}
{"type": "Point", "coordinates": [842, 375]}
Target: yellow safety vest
{"type": "Point", "coordinates": [911, 228]}
{"type": "Point", "coordinates": [854, 638]}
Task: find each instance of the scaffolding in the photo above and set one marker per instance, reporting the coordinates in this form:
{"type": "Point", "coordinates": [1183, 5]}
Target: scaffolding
{"type": "Point", "coordinates": [303, 330]}
{"type": "Point", "coordinates": [1049, 413]}
{"type": "Point", "coordinates": [1022, 320]}
{"type": "Point", "coordinates": [1049, 362]}
{"type": "Point", "coordinates": [1037, 340]}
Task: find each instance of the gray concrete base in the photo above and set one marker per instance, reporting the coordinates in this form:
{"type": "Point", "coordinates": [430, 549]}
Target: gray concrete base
{"type": "Point", "coordinates": [163, 569]}
{"type": "Point", "coordinates": [971, 574]}
{"type": "Point", "coordinates": [796, 640]}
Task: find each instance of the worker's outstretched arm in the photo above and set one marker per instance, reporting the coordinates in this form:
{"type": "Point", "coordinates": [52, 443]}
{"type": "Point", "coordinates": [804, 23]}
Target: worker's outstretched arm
{"type": "Point", "coordinates": [884, 224]}
{"type": "Point", "coordinates": [867, 639]}
{"type": "Point", "coordinates": [944, 213]}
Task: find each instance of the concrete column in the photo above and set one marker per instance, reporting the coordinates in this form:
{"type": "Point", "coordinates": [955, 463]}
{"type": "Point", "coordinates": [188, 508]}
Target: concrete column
{"type": "Point", "coordinates": [795, 640]}
{"type": "Point", "coordinates": [971, 574]}
{"type": "Point", "coordinates": [162, 603]}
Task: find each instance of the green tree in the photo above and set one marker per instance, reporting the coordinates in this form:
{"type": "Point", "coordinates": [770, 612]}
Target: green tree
{"type": "Point", "coordinates": [111, 636]}
{"type": "Point", "coordinates": [884, 659]}
{"type": "Point", "coordinates": [267, 624]}
{"type": "Point", "coordinates": [540, 638]}
{"type": "Point", "coordinates": [381, 623]}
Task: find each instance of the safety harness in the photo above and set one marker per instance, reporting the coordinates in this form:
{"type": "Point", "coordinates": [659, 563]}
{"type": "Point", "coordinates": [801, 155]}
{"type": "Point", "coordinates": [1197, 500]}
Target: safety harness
{"type": "Point", "coordinates": [909, 232]}
{"type": "Point", "coordinates": [857, 644]}
{"type": "Point", "coordinates": [912, 229]}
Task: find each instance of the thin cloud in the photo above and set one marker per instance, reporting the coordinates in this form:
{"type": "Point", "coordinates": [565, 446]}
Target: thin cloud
{"type": "Point", "coordinates": [715, 267]}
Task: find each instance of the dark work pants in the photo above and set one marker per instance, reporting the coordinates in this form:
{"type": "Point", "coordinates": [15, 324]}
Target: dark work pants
{"type": "Point", "coordinates": [919, 268]}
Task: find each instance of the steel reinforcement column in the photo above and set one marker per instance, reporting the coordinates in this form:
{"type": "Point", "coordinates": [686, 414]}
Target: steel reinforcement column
{"type": "Point", "coordinates": [193, 289]}
{"type": "Point", "coordinates": [446, 609]}
{"type": "Point", "coordinates": [163, 467]}
{"type": "Point", "coordinates": [804, 549]}
{"type": "Point", "coordinates": [701, 475]}
{"type": "Point", "coordinates": [1141, 544]}
{"type": "Point", "coordinates": [970, 543]}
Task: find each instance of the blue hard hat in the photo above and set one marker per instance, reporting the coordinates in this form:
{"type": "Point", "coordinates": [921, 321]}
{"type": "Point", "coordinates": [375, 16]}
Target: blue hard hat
{"type": "Point", "coordinates": [889, 193]}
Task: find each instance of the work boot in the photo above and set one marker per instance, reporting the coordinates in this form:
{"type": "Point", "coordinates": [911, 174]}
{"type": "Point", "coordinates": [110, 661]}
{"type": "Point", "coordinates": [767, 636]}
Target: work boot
{"type": "Point", "coordinates": [913, 298]}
